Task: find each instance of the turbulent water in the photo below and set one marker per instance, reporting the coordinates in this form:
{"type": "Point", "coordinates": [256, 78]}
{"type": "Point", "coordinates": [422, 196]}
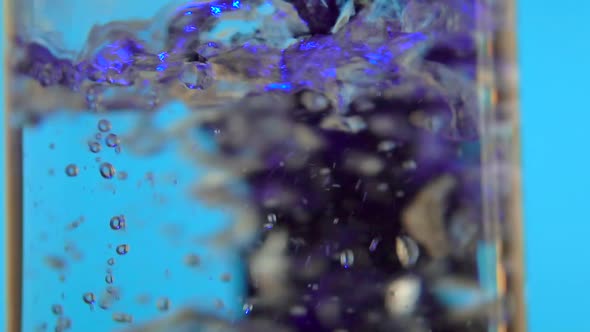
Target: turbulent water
{"type": "Point", "coordinates": [354, 125]}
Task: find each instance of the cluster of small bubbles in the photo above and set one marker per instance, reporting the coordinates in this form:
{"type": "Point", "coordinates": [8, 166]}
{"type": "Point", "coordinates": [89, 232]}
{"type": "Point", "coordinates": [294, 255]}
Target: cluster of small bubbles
{"type": "Point", "coordinates": [57, 309]}
{"type": "Point", "coordinates": [89, 298]}
{"type": "Point", "coordinates": [93, 98]}
{"type": "Point", "coordinates": [107, 170]}
{"type": "Point", "coordinates": [118, 222]}
{"type": "Point", "coordinates": [347, 258]}
{"type": "Point", "coordinates": [121, 317]}
{"type": "Point", "coordinates": [104, 125]}
{"type": "Point", "coordinates": [109, 278]}
{"type": "Point", "coordinates": [163, 304]}
{"type": "Point", "coordinates": [72, 170]}
{"type": "Point", "coordinates": [112, 140]}
{"type": "Point", "coordinates": [192, 260]}
{"type": "Point", "coordinates": [94, 146]}
{"type": "Point", "coordinates": [122, 249]}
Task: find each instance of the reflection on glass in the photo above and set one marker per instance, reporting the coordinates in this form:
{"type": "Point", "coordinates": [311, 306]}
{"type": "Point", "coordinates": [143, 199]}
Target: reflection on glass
{"type": "Point", "coordinates": [274, 165]}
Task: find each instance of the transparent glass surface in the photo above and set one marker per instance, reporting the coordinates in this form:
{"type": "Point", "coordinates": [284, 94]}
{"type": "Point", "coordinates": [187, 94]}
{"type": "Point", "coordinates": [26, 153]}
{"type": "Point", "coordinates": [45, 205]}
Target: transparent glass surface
{"type": "Point", "coordinates": [329, 165]}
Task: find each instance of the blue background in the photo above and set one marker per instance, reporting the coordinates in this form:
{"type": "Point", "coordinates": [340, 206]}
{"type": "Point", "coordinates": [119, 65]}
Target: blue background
{"type": "Point", "coordinates": [554, 67]}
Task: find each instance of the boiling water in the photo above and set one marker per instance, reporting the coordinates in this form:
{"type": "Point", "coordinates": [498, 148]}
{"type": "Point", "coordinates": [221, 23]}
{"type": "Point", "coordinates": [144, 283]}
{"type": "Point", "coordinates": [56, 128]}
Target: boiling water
{"type": "Point", "coordinates": [335, 147]}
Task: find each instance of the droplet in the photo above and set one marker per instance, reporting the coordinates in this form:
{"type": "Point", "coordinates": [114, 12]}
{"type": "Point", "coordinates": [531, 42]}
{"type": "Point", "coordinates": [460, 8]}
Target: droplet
{"type": "Point", "coordinates": [247, 307]}
{"type": "Point", "coordinates": [94, 146]}
{"type": "Point", "coordinates": [121, 317]}
{"type": "Point", "coordinates": [163, 304]}
{"type": "Point", "coordinates": [104, 125]}
{"type": "Point", "coordinates": [109, 278]}
{"type": "Point", "coordinates": [107, 170]}
{"type": "Point", "coordinates": [112, 140]}
{"type": "Point", "coordinates": [118, 222]}
{"type": "Point", "coordinates": [407, 250]}
{"type": "Point", "coordinates": [89, 298]}
{"type": "Point", "coordinates": [57, 309]}
{"type": "Point", "coordinates": [72, 170]}
{"type": "Point", "coordinates": [111, 261]}
{"type": "Point", "coordinates": [347, 258]}
{"type": "Point", "coordinates": [122, 249]}
{"type": "Point", "coordinates": [192, 260]}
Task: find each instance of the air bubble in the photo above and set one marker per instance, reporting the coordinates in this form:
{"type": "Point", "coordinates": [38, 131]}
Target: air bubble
{"type": "Point", "coordinates": [226, 277]}
{"type": "Point", "coordinates": [407, 250]}
{"type": "Point", "coordinates": [89, 298]}
{"type": "Point", "coordinates": [72, 170]}
{"type": "Point", "coordinates": [109, 278]}
{"type": "Point", "coordinates": [107, 170]}
{"type": "Point", "coordinates": [163, 304]}
{"type": "Point", "coordinates": [104, 125]}
{"type": "Point", "coordinates": [63, 324]}
{"type": "Point", "coordinates": [121, 317]}
{"type": "Point", "coordinates": [196, 75]}
{"type": "Point", "coordinates": [94, 146]}
{"type": "Point", "coordinates": [347, 258]}
{"type": "Point", "coordinates": [122, 249]}
{"type": "Point", "coordinates": [118, 222]}
{"type": "Point", "coordinates": [192, 260]}
{"type": "Point", "coordinates": [374, 244]}
{"type": "Point", "coordinates": [57, 309]}
{"type": "Point", "coordinates": [314, 101]}
{"type": "Point", "coordinates": [112, 140]}
{"type": "Point", "coordinates": [111, 261]}
{"type": "Point", "coordinates": [247, 307]}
